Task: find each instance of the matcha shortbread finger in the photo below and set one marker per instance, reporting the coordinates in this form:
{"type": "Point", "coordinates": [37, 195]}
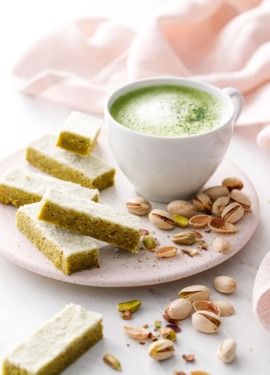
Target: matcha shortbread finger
{"type": "Point", "coordinates": [69, 252]}
{"type": "Point", "coordinates": [56, 344]}
{"type": "Point", "coordinates": [91, 219]}
{"type": "Point", "coordinates": [79, 133]}
{"type": "Point", "coordinates": [19, 187]}
{"type": "Point", "coordinates": [91, 172]}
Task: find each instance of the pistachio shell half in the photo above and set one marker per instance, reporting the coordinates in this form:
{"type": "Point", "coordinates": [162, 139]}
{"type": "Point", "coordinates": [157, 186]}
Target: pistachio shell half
{"type": "Point", "coordinates": [218, 225]}
{"type": "Point", "coordinates": [199, 221]}
{"type": "Point", "coordinates": [166, 252]}
{"type": "Point", "coordinates": [206, 306]}
{"type": "Point", "coordinates": [225, 307]}
{"type": "Point", "coordinates": [137, 333]}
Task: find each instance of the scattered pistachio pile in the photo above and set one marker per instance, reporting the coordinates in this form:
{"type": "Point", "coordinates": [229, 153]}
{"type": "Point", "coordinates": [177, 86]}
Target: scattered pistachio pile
{"type": "Point", "coordinates": [217, 207]}
{"type": "Point", "coordinates": [206, 316]}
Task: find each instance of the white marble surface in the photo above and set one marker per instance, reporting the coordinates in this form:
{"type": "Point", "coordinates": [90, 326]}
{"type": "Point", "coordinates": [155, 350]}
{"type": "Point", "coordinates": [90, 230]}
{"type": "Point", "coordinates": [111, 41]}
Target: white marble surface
{"type": "Point", "coordinates": [27, 299]}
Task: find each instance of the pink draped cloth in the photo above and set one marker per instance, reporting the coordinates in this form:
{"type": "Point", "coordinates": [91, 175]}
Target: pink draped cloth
{"type": "Point", "coordinates": [224, 42]}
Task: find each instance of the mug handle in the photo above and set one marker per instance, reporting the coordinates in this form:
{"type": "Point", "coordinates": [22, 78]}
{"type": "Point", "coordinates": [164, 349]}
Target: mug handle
{"type": "Point", "coordinates": [237, 99]}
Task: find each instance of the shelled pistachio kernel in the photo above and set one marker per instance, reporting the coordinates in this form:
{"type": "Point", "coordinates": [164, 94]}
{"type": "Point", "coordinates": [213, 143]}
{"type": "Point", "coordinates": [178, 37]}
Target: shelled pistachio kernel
{"type": "Point", "coordinates": [161, 349]}
{"type": "Point", "coordinates": [168, 333]}
{"type": "Point", "coordinates": [149, 242]}
{"type": "Point", "coordinates": [138, 206]}
{"type": "Point", "coordinates": [112, 361]}
{"type": "Point", "coordinates": [131, 306]}
{"type": "Point", "coordinates": [225, 284]}
{"type": "Point", "coordinates": [181, 221]}
{"type": "Point", "coordinates": [161, 219]}
{"type": "Point", "coordinates": [182, 208]}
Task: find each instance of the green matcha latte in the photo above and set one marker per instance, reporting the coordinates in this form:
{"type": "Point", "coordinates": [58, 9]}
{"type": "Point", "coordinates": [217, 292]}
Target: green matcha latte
{"type": "Point", "coordinates": [169, 110]}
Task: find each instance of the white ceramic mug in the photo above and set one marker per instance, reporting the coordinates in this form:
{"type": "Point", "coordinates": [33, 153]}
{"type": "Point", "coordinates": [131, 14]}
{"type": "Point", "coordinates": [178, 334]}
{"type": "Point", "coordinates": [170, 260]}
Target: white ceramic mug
{"type": "Point", "coordinates": [163, 169]}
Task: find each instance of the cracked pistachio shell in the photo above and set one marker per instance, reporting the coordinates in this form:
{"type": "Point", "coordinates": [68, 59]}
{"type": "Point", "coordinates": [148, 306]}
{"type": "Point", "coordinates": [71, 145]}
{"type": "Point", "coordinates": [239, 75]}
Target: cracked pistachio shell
{"type": "Point", "coordinates": [233, 183]}
{"type": "Point", "coordinates": [225, 284]}
{"type": "Point", "coordinates": [233, 213]}
{"type": "Point", "coordinates": [227, 350]}
{"type": "Point", "coordinates": [182, 208]}
{"type": "Point", "coordinates": [161, 219]}
{"type": "Point", "coordinates": [161, 349]}
{"type": "Point", "coordinates": [137, 333]}
{"type": "Point", "coordinates": [195, 293]}
{"type": "Point", "coordinates": [179, 309]}
{"type": "Point", "coordinates": [215, 192]}
{"type": "Point", "coordinates": [225, 307]}
{"type": "Point", "coordinates": [184, 238]}
{"type": "Point", "coordinates": [218, 225]}
{"type": "Point", "coordinates": [202, 202]}
{"type": "Point", "coordinates": [207, 306]}
{"type": "Point", "coordinates": [219, 205]}
{"type": "Point", "coordinates": [241, 198]}
{"type": "Point", "coordinates": [205, 321]}
{"type": "Point", "coordinates": [138, 206]}
{"type": "Point", "coordinates": [199, 221]}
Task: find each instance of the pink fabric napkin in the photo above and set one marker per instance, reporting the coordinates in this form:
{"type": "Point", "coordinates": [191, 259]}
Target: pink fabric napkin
{"type": "Point", "coordinates": [261, 292]}
{"type": "Point", "coordinates": [224, 42]}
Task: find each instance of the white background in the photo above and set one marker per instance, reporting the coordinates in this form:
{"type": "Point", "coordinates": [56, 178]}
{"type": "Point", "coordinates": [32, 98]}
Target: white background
{"type": "Point", "coordinates": [27, 299]}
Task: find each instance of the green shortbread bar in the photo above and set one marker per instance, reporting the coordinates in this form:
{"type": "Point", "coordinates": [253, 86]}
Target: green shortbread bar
{"type": "Point", "coordinates": [19, 187]}
{"type": "Point", "coordinates": [92, 219]}
{"type": "Point", "coordinates": [56, 344]}
{"type": "Point", "coordinates": [79, 133]}
{"type": "Point", "coordinates": [90, 172]}
{"type": "Point", "coordinates": [69, 252]}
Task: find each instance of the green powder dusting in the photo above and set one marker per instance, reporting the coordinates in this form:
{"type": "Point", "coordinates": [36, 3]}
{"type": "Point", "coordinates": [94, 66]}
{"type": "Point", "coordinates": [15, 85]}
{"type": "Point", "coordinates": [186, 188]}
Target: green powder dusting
{"type": "Point", "coordinates": [169, 110]}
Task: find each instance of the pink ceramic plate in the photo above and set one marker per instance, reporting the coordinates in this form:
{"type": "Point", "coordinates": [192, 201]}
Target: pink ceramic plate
{"type": "Point", "coordinates": [119, 268]}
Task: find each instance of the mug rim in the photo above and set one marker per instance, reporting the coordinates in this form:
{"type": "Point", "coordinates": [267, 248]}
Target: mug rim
{"type": "Point", "coordinates": [177, 81]}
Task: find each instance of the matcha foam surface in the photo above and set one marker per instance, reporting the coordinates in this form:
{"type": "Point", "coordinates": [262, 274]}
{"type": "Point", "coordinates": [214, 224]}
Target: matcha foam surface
{"type": "Point", "coordinates": [169, 110]}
